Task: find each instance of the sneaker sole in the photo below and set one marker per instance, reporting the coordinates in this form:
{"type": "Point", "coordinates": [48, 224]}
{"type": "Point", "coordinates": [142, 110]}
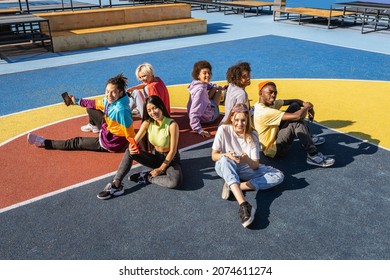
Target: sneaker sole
{"type": "Point", "coordinates": [28, 139]}
{"type": "Point", "coordinates": [250, 221]}
{"type": "Point", "coordinates": [225, 192]}
{"type": "Point", "coordinates": [113, 194]}
{"type": "Point", "coordinates": [320, 164]}
{"type": "Point", "coordinates": [103, 198]}
{"type": "Point", "coordinates": [93, 131]}
{"type": "Point", "coordinates": [118, 193]}
{"type": "Point", "coordinates": [319, 143]}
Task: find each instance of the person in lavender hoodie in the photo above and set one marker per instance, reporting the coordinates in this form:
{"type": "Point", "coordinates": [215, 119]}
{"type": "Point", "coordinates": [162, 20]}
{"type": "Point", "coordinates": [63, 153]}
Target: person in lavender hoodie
{"type": "Point", "coordinates": [204, 98]}
{"type": "Point", "coordinates": [117, 130]}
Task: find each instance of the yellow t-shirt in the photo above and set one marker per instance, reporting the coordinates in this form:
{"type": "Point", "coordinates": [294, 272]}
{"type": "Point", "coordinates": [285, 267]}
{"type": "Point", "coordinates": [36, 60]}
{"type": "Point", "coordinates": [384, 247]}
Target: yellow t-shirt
{"type": "Point", "coordinates": [266, 121]}
{"type": "Point", "coordinates": [159, 135]}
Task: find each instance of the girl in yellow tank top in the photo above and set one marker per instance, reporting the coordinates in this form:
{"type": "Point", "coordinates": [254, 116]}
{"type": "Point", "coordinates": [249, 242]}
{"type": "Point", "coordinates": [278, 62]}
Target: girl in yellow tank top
{"type": "Point", "coordinates": [164, 161]}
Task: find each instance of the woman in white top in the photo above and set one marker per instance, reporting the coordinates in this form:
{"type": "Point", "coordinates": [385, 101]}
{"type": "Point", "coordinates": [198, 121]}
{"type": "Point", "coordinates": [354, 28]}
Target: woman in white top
{"type": "Point", "coordinates": [236, 151]}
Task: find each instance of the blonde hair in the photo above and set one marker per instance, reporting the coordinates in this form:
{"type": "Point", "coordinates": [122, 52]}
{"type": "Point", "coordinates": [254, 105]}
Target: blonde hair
{"type": "Point", "coordinates": [242, 108]}
{"type": "Point", "coordinates": [144, 69]}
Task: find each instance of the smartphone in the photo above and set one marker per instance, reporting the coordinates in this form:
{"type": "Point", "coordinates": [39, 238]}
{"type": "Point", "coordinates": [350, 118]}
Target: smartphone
{"type": "Point", "coordinates": [237, 156]}
{"type": "Point", "coordinates": [68, 101]}
{"type": "Point", "coordinates": [133, 143]}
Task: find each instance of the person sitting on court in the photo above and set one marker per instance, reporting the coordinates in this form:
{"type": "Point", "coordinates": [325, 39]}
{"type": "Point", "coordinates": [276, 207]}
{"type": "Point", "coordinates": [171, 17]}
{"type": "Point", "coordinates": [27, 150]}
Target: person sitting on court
{"type": "Point", "coordinates": [164, 161]}
{"type": "Point", "coordinates": [277, 129]}
{"type": "Point", "coordinates": [151, 85]}
{"type": "Point", "coordinates": [117, 130]}
{"type": "Point", "coordinates": [204, 98]}
{"type": "Point", "coordinates": [238, 77]}
{"type": "Point", "coordinates": [236, 152]}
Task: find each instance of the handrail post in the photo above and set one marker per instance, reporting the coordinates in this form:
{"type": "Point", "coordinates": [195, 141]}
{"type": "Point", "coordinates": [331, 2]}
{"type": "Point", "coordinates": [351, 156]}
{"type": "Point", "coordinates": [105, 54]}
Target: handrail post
{"type": "Point", "coordinates": [279, 4]}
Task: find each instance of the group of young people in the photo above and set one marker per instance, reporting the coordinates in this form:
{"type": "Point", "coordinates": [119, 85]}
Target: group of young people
{"type": "Point", "coordinates": [242, 135]}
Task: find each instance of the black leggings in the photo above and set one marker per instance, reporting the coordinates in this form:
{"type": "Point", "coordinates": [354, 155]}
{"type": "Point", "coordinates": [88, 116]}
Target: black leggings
{"type": "Point", "coordinates": [172, 178]}
{"type": "Point", "coordinates": [77, 143]}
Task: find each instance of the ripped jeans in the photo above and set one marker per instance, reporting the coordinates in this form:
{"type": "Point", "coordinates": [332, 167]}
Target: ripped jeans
{"type": "Point", "coordinates": [265, 177]}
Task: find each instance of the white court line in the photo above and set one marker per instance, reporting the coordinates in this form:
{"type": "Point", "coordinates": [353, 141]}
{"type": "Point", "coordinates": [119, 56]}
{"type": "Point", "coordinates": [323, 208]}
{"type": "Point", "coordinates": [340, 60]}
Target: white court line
{"type": "Point", "coordinates": [5, 209]}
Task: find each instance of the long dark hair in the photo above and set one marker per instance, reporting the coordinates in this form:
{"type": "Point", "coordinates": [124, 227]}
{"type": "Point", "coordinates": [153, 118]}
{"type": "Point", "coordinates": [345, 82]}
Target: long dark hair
{"type": "Point", "coordinates": [156, 101]}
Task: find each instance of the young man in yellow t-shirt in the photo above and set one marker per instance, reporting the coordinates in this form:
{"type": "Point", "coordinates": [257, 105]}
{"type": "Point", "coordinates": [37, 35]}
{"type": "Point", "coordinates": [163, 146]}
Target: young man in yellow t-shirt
{"type": "Point", "coordinates": [277, 129]}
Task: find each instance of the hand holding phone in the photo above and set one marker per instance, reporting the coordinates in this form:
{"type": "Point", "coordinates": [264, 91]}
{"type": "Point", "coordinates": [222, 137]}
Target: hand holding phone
{"type": "Point", "coordinates": [237, 156]}
{"type": "Point", "coordinates": [67, 99]}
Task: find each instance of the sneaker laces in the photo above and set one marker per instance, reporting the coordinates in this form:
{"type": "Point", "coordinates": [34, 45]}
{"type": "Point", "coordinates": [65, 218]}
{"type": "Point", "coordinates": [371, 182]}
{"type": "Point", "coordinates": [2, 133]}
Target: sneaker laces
{"type": "Point", "coordinates": [108, 187]}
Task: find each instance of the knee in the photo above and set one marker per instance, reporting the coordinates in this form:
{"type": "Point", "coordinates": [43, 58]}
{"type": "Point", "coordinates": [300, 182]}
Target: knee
{"type": "Point", "coordinates": [277, 177]}
{"type": "Point", "coordinates": [295, 106]}
{"type": "Point", "coordinates": [173, 183]}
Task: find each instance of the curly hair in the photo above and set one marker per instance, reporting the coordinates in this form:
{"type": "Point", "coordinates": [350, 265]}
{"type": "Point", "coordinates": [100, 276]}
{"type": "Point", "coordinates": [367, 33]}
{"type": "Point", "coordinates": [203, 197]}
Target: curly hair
{"type": "Point", "coordinates": [198, 66]}
{"type": "Point", "coordinates": [119, 81]}
{"type": "Point", "coordinates": [234, 73]}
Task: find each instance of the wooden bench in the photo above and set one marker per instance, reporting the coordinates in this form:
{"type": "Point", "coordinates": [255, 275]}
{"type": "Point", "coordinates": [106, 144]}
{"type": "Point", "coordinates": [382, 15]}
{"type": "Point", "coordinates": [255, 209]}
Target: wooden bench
{"type": "Point", "coordinates": [229, 7]}
{"type": "Point", "coordinates": [247, 6]}
{"type": "Point", "coordinates": [9, 11]}
{"type": "Point", "coordinates": [23, 28]}
{"type": "Point", "coordinates": [375, 16]}
{"type": "Point", "coordinates": [74, 30]}
{"type": "Point", "coordinates": [313, 13]}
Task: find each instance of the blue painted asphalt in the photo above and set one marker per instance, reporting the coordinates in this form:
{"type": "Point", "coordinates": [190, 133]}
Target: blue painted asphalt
{"type": "Point", "coordinates": [270, 57]}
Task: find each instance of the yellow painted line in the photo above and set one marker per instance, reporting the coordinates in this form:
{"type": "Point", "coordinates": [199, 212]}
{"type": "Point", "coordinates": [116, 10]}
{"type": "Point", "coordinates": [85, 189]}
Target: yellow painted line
{"type": "Point", "coordinates": [358, 108]}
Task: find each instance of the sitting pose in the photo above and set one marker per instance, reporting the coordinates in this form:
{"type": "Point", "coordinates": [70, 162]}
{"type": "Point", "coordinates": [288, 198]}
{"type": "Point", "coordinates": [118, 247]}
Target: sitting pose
{"type": "Point", "coordinates": [204, 98]}
{"type": "Point", "coordinates": [238, 77]}
{"type": "Point", "coordinates": [236, 151]}
{"type": "Point", "coordinates": [151, 85]}
{"type": "Point", "coordinates": [277, 129]}
{"type": "Point", "coordinates": [163, 134]}
{"type": "Point", "coordinates": [116, 131]}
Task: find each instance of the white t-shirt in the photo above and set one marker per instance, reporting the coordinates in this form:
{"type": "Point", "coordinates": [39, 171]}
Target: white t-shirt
{"type": "Point", "coordinates": [226, 140]}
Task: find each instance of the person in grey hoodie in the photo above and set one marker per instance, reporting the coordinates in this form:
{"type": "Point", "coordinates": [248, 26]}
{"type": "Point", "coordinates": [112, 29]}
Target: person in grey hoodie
{"type": "Point", "coordinates": [204, 98]}
{"type": "Point", "coordinates": [238, 77]}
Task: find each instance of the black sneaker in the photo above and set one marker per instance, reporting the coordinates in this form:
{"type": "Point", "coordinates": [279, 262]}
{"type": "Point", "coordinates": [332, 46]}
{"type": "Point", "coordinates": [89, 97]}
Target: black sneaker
{"type": "Point", "coordinates": [247, 214]}
{"type": "Point", "coordinates": [111, 190]}
{"type": "Point", "coordinates": [141, 178]}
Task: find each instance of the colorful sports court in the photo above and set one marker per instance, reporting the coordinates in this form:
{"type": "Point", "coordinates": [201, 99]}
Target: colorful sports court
{"type": "Point", "coordinates": [48, 204]}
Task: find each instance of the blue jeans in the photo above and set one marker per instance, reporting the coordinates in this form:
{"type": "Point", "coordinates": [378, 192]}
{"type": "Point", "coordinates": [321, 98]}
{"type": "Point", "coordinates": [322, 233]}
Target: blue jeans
{"type": "Point", "coordinates": [263, 178]}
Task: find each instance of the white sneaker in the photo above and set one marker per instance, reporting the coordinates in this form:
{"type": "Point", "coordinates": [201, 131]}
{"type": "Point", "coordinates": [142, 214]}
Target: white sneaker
{"type": "Point", "coordinates": [320, 160]}
{"type": "Point", "coordinates": [317, 140]}
{"type": "Point", "coordinates": [90, 128]}
{"type": "Point", "coordinates": [36, 140]}
{"type": "Point", "coordinates": [135, 112]}
{"type": "Point", "coordinates": [225, 192]}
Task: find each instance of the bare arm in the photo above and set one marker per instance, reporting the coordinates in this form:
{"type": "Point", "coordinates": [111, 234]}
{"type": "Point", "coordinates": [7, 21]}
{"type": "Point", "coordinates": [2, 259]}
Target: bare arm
{"type": "Point", "coordinates": [174, 140]}
{"type": "Point", "coordinates": [299, 115]}
{"type": "Point", "coordinates": [140, 134]}
{"type": "Point", "coordinates": [244, 158]}
{"type": "Point", "coordinates": [139, 87]}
